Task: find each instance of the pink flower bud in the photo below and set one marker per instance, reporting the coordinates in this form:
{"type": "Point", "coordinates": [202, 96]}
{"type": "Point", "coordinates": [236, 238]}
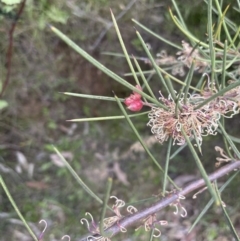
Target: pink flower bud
{"type": "Point", "coordinates": [135, 93]}
{"type": "Point", "coordinates": [135, 106]}
{"type": "Point", "coordinates": [134, 102]}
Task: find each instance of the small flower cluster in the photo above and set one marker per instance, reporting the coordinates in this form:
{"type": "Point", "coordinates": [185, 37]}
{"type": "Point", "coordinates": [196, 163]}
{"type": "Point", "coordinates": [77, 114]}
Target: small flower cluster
{"type": "Point", "coordinates": [194, 122]}
{"type": "Point", "coordinates": [177, 204]}
{"type": "Point", "coordinates": [224, 157]}
{"type": "Point", "coordinates": [226, 105]}
{"type": "Point", "coordinates": [93, 227]}
{"type": "Point", "coordinates": [40, 237]}
{"type": "Point", "coordinates": [163, 59]}
{"type": "Point", "coordinates": [149, 224]}
{"type": "Point", "coordinates": [134, 102]}
{"type": "Point", "coordinates": [184, 116]}
{"type": "Point", "coordinates": [184, 58]}
{"type": "Point", "coordinates": [189, 54]}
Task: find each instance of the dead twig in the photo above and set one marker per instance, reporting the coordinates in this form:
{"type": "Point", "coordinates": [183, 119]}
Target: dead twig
{"type": "Point", "coordinates": [140, 215]}
{"type": "Point", "coordinates": [10, 48]}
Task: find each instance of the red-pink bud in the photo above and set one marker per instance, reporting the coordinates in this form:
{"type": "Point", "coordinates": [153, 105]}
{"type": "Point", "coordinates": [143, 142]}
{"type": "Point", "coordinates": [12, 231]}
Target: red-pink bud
{"type": "Point", "coordinates": [128, 101]}
{"type": "Point", "coordinates": [136, 94]}
{"type": "Point", "coordinates": [135, 106]}
{"type": "Point", "coordinates": [134, 102]}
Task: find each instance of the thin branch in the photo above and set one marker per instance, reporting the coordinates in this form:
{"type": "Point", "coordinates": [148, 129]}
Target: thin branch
{"type": "Point", "coordinates": [82, 14]}
{"type": "Point", "coordinates": [10, 47]}
{"type": "Point", "coordinates": [138, 216]}
{"type": "Point", "coordinates": [104, 31]}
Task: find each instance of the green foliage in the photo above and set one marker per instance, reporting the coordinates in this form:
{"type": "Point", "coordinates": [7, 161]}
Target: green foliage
{"type": "Point", "coordinates": [3, 104]}
{"type": "Point", "coordinates": [11, 2]}
{"type": "Point", "coordinates": [182, 99]}
{"type": "Point", "coordinates": [52, 14]}
{"type": "Point", "coordinates": [96, 148]}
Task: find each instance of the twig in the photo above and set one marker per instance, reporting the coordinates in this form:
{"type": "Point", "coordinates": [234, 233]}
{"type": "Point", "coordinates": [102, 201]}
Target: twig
{"type": "Point", "coordinates": [138, 216]}
{"type": "Point", "coordinates": [104, 31]}
{"type": "Point", "coordinates": [82, 14]}
{"type": "Point", "coordinates": [10, 47]}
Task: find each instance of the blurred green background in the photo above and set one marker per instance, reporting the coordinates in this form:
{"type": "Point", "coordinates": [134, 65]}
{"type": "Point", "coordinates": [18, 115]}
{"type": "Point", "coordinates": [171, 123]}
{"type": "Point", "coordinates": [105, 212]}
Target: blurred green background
{"type": "Point", "coordinates": [35, 118]}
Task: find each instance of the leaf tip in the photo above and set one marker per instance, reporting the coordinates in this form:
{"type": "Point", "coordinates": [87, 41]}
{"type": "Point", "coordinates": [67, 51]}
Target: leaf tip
{"type": "Point", "coordinates": [51, 27]}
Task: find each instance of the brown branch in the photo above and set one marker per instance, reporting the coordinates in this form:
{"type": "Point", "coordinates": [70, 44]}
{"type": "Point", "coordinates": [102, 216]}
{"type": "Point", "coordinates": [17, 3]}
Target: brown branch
{"type": "Point", "coordinates": [10, 48]}
{"type": "Point", "coordinates": [138, 216]}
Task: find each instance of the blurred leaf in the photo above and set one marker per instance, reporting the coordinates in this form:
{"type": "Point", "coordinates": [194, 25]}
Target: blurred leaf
{"type": "Point", "coordinates": [56, 160]}
{"type": "Point", "coordinates": [6, 10]}
{"type": "Point", "coordinates": [37, 185]}
{"type": "Point", "coordinates": [52, 125]}
{"type": "Point", "coordinates": [57, 15]}
{"type": "Point", "coordinates": [121, 175]}
{"type": "Point", "coordinates": [48, 147]}
{"type": "Point", "coordinates": [137, 44]}
{"type": "Point", "coordinates": [46, 166]}
{"type": "Point", "coordinates": [42, 22]}
{"type": "Point", "coordinates": [11, 2]}
{"type": "Point", "coordinates": [3, 104]}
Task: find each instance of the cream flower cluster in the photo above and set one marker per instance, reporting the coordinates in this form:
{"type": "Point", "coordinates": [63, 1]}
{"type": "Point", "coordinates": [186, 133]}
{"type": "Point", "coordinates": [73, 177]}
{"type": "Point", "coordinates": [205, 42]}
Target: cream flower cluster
{"type": "Point", "coordinates": [196, 122]}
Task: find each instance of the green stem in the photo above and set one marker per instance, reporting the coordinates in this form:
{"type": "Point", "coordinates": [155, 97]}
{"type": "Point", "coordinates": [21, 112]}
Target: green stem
{"type": "Point", "coordinates": [155, 66]}
{"type": "Point", "coordinates": [205, 209]}
{"type": "Point", "coordinates": [224, 64]}
{"type": "Point", "coordinates": [200, 167]}
{"type": "Point", "coordinates": [166, 166]}
{"type": "Point", "coordinates": [107, 117]}
{"type": "Point", "coordinates": [219, 93]}
{"type": "Point", "coordinates": [124, 48]}
{"type": "Point", "coordinates": [188, 81]}
{"type": "Point", "coordinates": [230, 224]}
{"type": "Point", "coordinates": [143, 78]}
{"type": "Point", "coordinates": [79, 180]}
{"type": "Point", "coordinates": [170, 43]}
{"type": "Point", "coordinates": [224, 133]}
{"type": "Point", "coordinates": [141, 141]}
{"type": "Point", "coordinates": [104, 69]}
{"type": "Point", "coordinates": [210, 37]}
{"type": "Point", "coordinates": [104, 208]}
{"type": "Point", "coordinates": [16, 209]}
